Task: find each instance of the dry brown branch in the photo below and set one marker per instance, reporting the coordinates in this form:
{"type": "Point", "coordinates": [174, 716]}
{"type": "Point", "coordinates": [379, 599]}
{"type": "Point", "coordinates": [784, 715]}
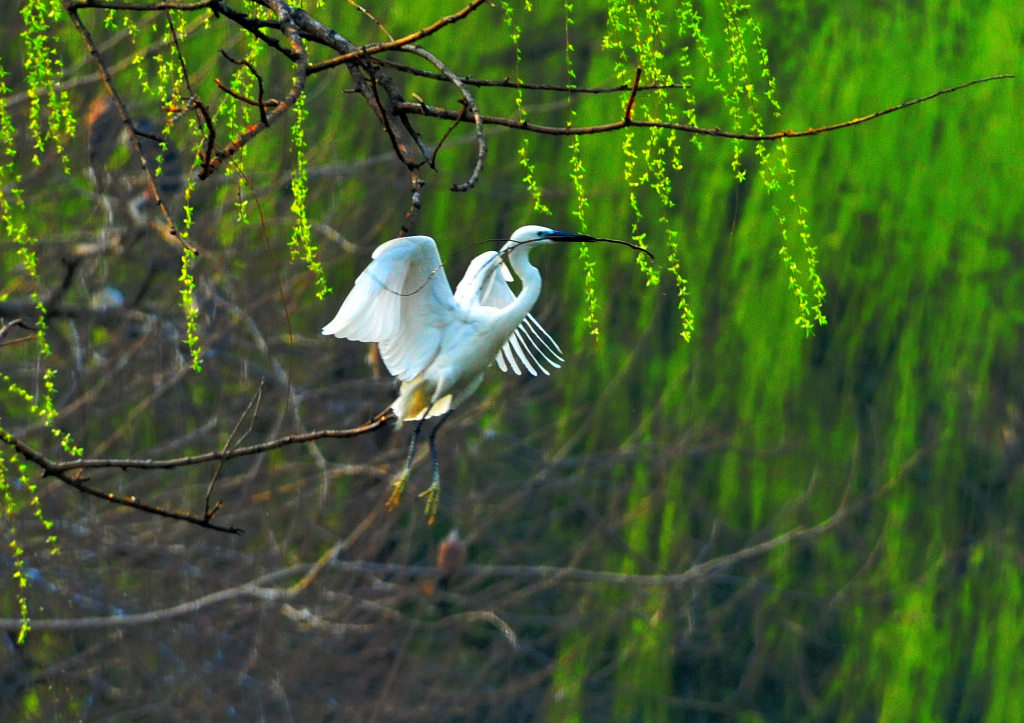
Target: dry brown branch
{"type": "Point", "coordinates": [513, 84]}
{"type": "Point", "coordinates": [75, 5]}
{"type": "Point", "coordinates": [222, 455]}
{"type": "Point", "coordinates": [375, 48]}
{"type": "Point", "coordinates": [39, 460]}
{"type": "Point", "coordinates": [469, 103]}
{"type": "Point", "coordinates": [61, 470]}
{"type": "Point", "coordinates": [13, 323]}
{"type": "Point", "coordinates": [285, 15]}
{"type": "Point", "coordinates": [260, 103]}
{"type": "Point", "coordinates": [446, 114]}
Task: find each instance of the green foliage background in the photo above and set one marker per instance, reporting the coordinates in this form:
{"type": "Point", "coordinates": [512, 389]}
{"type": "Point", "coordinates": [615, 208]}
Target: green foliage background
{"type": "Point", "coordinates": [647, 454]}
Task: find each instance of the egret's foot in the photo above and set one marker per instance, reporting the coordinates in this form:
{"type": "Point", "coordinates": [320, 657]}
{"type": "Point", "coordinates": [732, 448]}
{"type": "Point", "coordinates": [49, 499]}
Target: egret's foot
{"type": "Point", "coordinates": [397, 487]}
{"type": "Point", "coordinates": [433, 495]}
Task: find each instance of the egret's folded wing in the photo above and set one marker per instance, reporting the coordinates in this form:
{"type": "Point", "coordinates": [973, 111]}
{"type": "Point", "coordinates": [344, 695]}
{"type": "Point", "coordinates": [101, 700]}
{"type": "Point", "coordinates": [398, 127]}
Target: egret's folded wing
{"type": "Point", "coordinates": [402, 301]}
{"type": "Point", "coordinates": [529, 347]}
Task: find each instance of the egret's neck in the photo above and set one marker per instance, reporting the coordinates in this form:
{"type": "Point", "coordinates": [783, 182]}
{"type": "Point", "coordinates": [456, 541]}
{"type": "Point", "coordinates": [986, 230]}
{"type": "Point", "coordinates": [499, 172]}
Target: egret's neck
{"type": "Point", "coordinates": [519, 260]}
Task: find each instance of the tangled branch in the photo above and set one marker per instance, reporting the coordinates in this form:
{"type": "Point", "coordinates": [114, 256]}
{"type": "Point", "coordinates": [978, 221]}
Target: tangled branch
{"type": "Point", "coordinates": [293, 30]}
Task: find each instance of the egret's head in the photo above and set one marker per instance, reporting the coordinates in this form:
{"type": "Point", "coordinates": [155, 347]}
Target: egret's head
{"type": "Point", "coordinates": [526, 234]}
{"type": "Point", "coordinates": [541, 235]}
{"type": "Point", "coordinates": [535, 235]}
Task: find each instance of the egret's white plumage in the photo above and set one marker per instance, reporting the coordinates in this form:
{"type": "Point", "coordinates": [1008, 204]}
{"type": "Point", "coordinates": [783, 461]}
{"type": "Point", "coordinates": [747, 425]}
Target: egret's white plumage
{"type": "Point", "coordinates": [437, 342]}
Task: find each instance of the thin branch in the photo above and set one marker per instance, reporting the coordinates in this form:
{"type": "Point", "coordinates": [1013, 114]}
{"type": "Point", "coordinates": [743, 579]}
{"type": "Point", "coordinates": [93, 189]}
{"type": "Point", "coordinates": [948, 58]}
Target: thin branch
{"type": "Point", "coordinates": [371, 18]}
{"type": "Point", "coordinates": [696, 573]}
{"type": "Point", "coordinates": [258, 590]}
{"type": "Point", "coordinates": [12, 324]}
{"type": "Point", "coordinates": [437, 149]}
{"type": "Point", "coordinates": [259, 103]}
{"type": "Point", "coordinates": [225, 454]}
{"type": "Point", "coordinates": [250, 411]}
{"type": "Point", "coordinates": [76, 5]}
{"type": "Point", "coordinates": [374, 48]}
{"type": "Point", "coordinates": [514, 84]}
{"type": "Point", "coordinates": [445, 114]}
{"type": "Point", "coordinates": [628, 115]}
{"type": "Point", "coordinates": [285, 15]}
{"type": "Point", "coordinates": [469, 103]}
{"type": "Point", "coordinates": [122, 110]}
{"type": "Point", "coordinates": [254, 589]}
{"type": "Point", "coordinates": [194, 102]}
{"type": "Point", "coordinates": [61, 470]}
{"type": "Point", "coordinates": [79, 484]}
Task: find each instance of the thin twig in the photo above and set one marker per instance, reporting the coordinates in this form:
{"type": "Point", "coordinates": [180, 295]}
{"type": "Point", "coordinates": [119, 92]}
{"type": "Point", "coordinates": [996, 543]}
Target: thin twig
{"type": "Point", "coordinates": [469, 103]}
{"type": "Point", "coordinates": [79, 484]}
{"type": "Point", "coordinates": [628, 115]}
{"type": "Point", "coordinates": [259, 103]}
{"type": "Point", "coordinates": [376, 423]}
{"type": "Point", "coordinates": [285, 14]}
{"type": "Point", "coordinates": [13, 323]}
{"type": "Point", "coordinates": [61, 470]}
{"type": "Point", "coordinates": [514, 84]}
{"type": "Point", "coordinates": [374, 48]}
{"type": "Point", "coordinates": [122, 110]}
{"type": "Point", "coordinates": [445, 114]}
{"type": "Point", "coordinates": [253, 407]}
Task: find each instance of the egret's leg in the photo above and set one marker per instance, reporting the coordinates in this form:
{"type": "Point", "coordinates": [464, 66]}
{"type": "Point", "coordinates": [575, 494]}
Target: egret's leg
{"type": "Point", "coordinates": [433, 493]}
{"type": "Point", "coordinates": [398, 484]}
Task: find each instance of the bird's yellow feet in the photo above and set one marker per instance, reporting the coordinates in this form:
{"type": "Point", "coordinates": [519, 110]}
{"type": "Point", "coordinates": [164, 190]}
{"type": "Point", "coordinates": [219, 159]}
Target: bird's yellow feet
{"type": "Point", "coordinates": [397, 486]}
{"type": "Point", "coordinates": [433, 495]}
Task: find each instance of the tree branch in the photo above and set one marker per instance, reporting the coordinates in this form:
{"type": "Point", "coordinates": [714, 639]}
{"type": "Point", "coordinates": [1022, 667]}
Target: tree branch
{"type": "Point", "coordinates": [108, 81]}
{"type": "Point", "coordinates": [49, 470]}
{"type": "Point", "coordinates": [285, 13]}
{"type": "Point", "coordinates": [453, 115]}
{"type": "Point", "coordinates": [469, 104]}
{"type": "Point", "coordinates": [61, 470]}
{"type": "Point", "coordinates": [224, 454]}
{"type": "Point", "coordinates": [374, 48]}
{"type": "Point", "coordinates": [257, 589]}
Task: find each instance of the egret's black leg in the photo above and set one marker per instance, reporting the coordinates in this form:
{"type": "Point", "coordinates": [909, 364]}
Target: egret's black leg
{"type": "Point", "coordinates": [433, 493]}
{"type": "Point", "coordinates": [398, 484]}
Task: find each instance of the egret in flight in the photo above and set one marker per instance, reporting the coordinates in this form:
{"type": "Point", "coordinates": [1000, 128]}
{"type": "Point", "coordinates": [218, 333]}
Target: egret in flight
{"type": "Point", "coordinates": [438, 343]}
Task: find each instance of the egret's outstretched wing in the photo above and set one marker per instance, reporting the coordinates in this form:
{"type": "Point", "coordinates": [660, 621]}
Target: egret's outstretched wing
{"type": "Point", "coordinates": [487, 283]}
{"type": "Point", "coordinates": [402, 301]}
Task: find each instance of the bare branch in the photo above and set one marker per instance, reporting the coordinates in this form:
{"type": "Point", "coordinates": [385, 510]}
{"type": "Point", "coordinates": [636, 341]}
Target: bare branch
{"type": "Point", "coordinates": [259, 103]}
{"type": "Point", "coordinates": [257, 589]}
{"type": "Point", "coordinates": [628, 115]}
{"type": "Point", "coordinates": [139, 7]}
{"type": "Point", "coordinates": [12, 324]}
{"type": "Point", "coordinates": [374, 48]}
{"type": "Point", "coordinates": [122, 110]}
{"type": "Point", "coordinates": [469, 104]}
{"type": "Point", "coordinates": [223, 455]}
{"type": "Point", "coordinates": [443, 113]}
{"type": "Point", "coordinates": [61, 470]}
{"type": "Point", "coordinates": [285, 15]}
{"type": "Point", "coordinates": [49, 470]}
{"type": "Point", "coordinates": [513, 84]}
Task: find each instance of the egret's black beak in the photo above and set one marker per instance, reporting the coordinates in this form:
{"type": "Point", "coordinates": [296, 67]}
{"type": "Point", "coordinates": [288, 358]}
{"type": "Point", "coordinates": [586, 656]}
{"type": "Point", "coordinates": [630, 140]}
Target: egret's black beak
{"type": "Point", "coordinates": [568, 237]}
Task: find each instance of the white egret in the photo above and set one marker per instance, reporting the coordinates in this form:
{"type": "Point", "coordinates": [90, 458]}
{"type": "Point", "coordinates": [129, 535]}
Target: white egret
{"type": "Point", "coordinates": [439, 343]}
